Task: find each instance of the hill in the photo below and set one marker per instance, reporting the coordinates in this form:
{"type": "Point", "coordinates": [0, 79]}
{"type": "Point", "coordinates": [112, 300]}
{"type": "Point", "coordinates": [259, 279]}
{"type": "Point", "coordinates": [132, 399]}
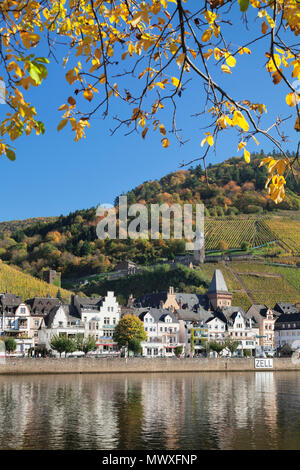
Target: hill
{"type": "Point", "coordinates": [228, 188]}
{"type": "Point", "coordinates": [250, 282]}
{"type": "Point", "coordinates": [237, 212]}
{"type": "Point", "coordinates": [14, 281]}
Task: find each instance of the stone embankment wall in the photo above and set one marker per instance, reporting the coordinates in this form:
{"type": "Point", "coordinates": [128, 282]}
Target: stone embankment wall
{"type": "Point", "coordinates": [15, 366]}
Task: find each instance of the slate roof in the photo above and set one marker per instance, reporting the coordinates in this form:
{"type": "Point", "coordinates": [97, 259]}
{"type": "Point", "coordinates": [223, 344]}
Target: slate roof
{"type": "Point", "coordinates": [10, 300]}
{"type": "Point", "coordinates": [218, 284]}
{"type": "Point", "coordinates": [285, 307]}
{"type": "Point", "coordinates": [189, 315]}
{"type": "Point", "coordinates": [70, 311]}
{"type": "Point", "coordinates": [42, 306]}
{"type": "Point", "coordinates": [228, 314]}
{"type": "Point", "coordinates": [188, 301]}
{"type": "Point", "coordinates": [288, 318]}
{"type": "Point", "coordinates": [159, 315]}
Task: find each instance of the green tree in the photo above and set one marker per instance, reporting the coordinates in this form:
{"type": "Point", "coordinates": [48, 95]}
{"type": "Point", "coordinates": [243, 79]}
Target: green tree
{"type": "Point", "coordinates": [10, 344]}
{"type": "Point", "coordinates": [58, 343]}
{"type": "Point", "coordinates": [216, 347]}
{"type": "Point", "coordinates": [247, 353]}
{"type": "Point", "coordinates": [178, 350]}
{"type": "Point", "coordinates": [231, 345]}
{"type": "Point", "coordinates": [135, 346]}
{"type": "Point", "coordinates": [85, 344]}
{"type": "Point", "coordinates": [58, 295]}
{"type": "Point", "coordinates": [128, 329]}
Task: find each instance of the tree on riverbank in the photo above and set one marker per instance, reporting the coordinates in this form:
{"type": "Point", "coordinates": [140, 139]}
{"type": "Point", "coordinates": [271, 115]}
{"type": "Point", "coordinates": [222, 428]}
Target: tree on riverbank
{"type": "Point", "coordinates": [216, 347]}
{"type": "Point", "coordinates": [10, 345]}
{"type": "Point", "coordinates": [129, 332]}
{"type": "Point", "coordinates": [85, 344]}
{"type": "Point", "coordinates": [62, 344]}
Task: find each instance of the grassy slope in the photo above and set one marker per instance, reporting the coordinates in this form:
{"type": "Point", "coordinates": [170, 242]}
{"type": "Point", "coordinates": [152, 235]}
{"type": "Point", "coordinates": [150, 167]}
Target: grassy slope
{"type": "Point", "coordinates": [14, 281]}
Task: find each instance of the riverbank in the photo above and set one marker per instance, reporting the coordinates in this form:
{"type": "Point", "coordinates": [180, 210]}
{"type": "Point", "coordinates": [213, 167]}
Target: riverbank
{"type": "Point", "coordinates": [89, 365]}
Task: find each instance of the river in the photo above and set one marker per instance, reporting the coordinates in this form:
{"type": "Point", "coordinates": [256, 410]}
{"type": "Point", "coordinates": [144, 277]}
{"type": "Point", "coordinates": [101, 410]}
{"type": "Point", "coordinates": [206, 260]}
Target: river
{"type": "Point", "coordinates": [216, 410]}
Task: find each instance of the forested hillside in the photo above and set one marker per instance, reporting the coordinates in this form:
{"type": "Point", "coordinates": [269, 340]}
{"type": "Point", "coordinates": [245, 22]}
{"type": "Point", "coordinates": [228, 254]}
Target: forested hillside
{"type": "Point", "coordinates": [230, 189]}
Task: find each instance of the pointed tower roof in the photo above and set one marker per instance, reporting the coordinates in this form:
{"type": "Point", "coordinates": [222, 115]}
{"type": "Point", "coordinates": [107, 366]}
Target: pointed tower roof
{"type": "Point", "coordinates": [218, 283]}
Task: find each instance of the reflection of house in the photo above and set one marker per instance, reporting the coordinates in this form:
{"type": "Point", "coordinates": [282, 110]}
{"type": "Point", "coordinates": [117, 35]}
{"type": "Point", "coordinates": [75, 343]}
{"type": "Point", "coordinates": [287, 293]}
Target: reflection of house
{"type": "Point", "coordinates": [16, 322]}
{"type": "Point", "coordinates": [162, 329]}
{"type": "Point", "coordinates": [265, 319]}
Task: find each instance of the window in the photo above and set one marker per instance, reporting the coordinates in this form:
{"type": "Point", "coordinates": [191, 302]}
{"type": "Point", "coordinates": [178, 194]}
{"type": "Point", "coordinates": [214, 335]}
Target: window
{"type": "Point", "coordinates": [36, 323]}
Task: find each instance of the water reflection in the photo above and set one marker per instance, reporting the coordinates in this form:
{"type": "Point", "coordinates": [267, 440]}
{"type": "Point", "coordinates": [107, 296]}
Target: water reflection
{"type": "Point", "coordinates": [151, 411]}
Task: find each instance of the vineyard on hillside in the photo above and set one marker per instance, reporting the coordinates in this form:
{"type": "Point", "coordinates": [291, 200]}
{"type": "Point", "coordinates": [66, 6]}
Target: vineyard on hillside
{"type": "Point", "coordinates": [287, 231]}
{"type": "Point", "coordinates": [236, 231]}
{"type": "Point", "coordinates": [16, 282]}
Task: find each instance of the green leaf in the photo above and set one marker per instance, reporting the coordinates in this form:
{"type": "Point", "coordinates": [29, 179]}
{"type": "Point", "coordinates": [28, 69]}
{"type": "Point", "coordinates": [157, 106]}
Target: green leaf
{"type": "Point", "coordinates": [34, 72]}
{"type": "Point", "coordinates": [41, 126]}
{"type": "Point", "coordinates": [11, 155]}
{"type": "Point", "coordinates": [42, 60]}
{"type": "Point", "coordinates": [243, 5]}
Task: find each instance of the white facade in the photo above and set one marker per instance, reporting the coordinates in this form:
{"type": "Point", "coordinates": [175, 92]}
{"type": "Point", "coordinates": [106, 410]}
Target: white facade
{"type": "Point", "coordinates": [246, 335]}
{"type": "Point", "coordinates": [216, 329]}
{"type": "Point", "coordinates": [287, 336]}
{"type": "Point", "coordinates": [163, 335]}
{"type": "Point", "coordinates": [61, 324]}
{"type": "Point", "coordinates": [18, 326]}
{"type": "Point", "coordinates": [101, 323]}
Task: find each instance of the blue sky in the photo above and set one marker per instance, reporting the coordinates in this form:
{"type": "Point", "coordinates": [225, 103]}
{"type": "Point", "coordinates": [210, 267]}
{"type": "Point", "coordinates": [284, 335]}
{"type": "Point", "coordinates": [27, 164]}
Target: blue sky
{"type": "Point", "coordinates": [54, 175]}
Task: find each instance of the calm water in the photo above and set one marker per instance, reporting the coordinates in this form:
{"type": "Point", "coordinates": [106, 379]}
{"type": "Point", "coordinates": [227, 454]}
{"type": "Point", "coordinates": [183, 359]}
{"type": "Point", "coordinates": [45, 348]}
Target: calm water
{"type": "Point", "coordinates": [151, 411]}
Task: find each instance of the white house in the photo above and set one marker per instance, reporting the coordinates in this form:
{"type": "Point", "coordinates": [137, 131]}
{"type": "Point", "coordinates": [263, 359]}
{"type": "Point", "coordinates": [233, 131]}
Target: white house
{"type": "Point", "coordinates": [162, 329]}
{"type": "Point", "coordinates": [100, 322]}
{"type": "Point", "coordinates": [60, 321]}
{"type": "Point", "coordinates": [242, 329]}
{"type": "Point", "coordinates": [16, 322]}
{"type": "Point", "coordinates": [287, 330]}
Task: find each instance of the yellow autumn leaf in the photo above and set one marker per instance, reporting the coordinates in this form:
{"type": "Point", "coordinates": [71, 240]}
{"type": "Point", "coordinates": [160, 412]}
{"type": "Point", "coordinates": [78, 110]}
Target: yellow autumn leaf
{"type": "Point", "coordinates": [264, 27]}
{"type": "Point", "coordinates": [176, 82]}
{"type": "Point", "coordinates": [225, 68]}
{"type": "Point", "coordinates": [208, 139]}
{"type": "Point", "coordinates": [62, 124]}
{"type": "Point", "coordinates": [88, 94]}
{"type": "Point", "coordinates": [165, 142]}
{"type": "Point", "coordinates": [144, 132]}
{"type": "Point", "coordinates": [110, 50]}
{"type": "Point", "coordinates": [206, 35]}
{"type": "Point", "coordinates": [292, 99]}
{"type": "Point", "coordinates": [239, 120]}
{"type": "Point", "coordinates": [230, 60]}
{"type": "Point", "coordinates": [180, 59]}
{"type": "Point", "coordinates": [297, 125]}
{"type": "Point", "coordinates": [247, 156]}
{"type": "Point", "coordinates": [241, 145]}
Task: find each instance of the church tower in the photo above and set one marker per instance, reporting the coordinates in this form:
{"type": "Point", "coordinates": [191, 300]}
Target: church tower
{"type": "Point", "coordinates": [218, 293]}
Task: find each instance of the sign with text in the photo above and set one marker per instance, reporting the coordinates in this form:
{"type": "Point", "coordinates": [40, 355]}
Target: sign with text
{"type": "Point", "coordinates": [263, 363]}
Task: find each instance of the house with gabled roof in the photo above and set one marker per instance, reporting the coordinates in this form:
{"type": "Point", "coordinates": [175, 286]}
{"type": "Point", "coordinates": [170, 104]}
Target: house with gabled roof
{"type": "Point", "coordinates": [62, 320]}
{"type": "Point", "coordinates": [265, 318]}
{"type": "Point", "coordinates": [162, 328]}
